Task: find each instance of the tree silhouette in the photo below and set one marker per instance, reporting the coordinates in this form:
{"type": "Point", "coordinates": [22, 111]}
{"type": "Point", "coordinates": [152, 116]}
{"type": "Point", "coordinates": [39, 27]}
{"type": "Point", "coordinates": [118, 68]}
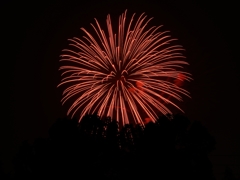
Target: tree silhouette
{"type": "Point", "coordinates": [228, 174]}
{"type": "Point", "coordinates": [95, 148]}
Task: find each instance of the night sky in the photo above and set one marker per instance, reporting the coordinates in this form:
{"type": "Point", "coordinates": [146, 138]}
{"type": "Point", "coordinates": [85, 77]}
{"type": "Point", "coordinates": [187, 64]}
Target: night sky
{"type": "Point", "coordinates": [34, 33]}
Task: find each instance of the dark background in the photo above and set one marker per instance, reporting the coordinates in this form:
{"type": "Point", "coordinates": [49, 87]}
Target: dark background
{"type": "Point", "coordinates": [34, 33]}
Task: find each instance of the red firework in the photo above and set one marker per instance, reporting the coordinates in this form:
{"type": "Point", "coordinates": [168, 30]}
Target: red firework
{"type": "Point", "coordinates": [129, 76]}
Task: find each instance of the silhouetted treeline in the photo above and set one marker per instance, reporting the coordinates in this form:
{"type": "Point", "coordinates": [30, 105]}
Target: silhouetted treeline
{"type": "Point", "coordinates": [171, 148]}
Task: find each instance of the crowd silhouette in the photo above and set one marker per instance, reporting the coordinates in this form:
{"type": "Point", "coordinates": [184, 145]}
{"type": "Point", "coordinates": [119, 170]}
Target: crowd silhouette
{"type": "Point", "coordinates": [95, 148]}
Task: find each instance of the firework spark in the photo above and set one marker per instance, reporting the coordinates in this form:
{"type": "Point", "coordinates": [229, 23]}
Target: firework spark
{"type": "Point", "coordinates": [128, 76]}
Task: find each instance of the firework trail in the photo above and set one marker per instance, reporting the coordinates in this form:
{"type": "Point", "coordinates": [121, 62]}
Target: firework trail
{"type": "Point", "coordinates": [128, 76]}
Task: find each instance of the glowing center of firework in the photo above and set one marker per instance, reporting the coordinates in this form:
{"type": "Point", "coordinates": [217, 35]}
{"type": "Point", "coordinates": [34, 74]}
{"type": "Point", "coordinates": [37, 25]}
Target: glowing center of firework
{"type": "Point", "coordinates": [129, 76]}
{"type": "Point", "coordinates": [121, 76]}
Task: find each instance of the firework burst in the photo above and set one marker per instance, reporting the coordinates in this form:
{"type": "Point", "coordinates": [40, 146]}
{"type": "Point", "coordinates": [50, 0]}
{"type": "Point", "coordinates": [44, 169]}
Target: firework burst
{"type": "Point", "coordinates": [129, 76]}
